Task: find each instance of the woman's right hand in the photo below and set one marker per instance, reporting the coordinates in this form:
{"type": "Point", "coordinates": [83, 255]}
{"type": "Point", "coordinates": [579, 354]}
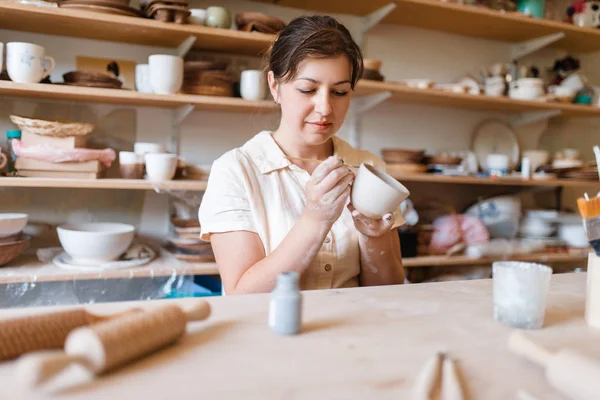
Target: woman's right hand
{"type": "Point", "coordinates": [328, 190]}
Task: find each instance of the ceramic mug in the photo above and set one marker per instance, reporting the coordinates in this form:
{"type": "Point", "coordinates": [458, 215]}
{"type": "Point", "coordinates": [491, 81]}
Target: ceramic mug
{"type": "Point", "coordinates": [1, 56]}
{"type": "Point", "coordinates": [143, 148]}
{"type": "Point", "coordinates": [253, 85]}
{"type": "Point", "coordinates": [495, 86]}
{"type": "Point", "coordinates": [198, 16]}
{"type": "Point", "coordinates": [375, 193]}
{"type": "Point", "coordinates": [142, 78]}
{"type": "Point", "coordinates": [497, 164]}
{"type": "Point", "coordinates": [25, 62]}
{"type": "Point", "coordinates": [131, 165]}
{"type": "Point", "coordinates": [218, 17]}
{"type": "Point", "coordinates": [166, 73]}
{"type": "Point", "coordinates": [160, 166]}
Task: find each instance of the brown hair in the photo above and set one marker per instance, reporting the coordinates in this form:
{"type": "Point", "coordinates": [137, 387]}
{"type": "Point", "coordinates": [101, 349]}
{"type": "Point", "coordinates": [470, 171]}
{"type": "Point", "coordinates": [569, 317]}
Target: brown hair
{"type": "Point", "coordinates": [312, 36]}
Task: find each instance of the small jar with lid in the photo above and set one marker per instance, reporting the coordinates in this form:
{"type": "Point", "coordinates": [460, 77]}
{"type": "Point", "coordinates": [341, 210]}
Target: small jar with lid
{"type": "Point", "coordinates": [11, 135]}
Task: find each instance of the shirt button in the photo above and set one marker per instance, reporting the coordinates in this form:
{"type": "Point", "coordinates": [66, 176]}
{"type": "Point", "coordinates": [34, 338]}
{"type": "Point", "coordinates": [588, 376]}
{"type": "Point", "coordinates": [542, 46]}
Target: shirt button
{"type": "Point", "coordinates": [327, 267]}
{"type": "Point", "coordinates": [327, 240]}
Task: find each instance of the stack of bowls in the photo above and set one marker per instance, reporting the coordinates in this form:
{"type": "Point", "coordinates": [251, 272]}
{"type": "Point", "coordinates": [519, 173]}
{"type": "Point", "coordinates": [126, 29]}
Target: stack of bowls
{"type": "Point", "coordinates": [185, 244]}
{"type": "Point", "coordinates": [404, 160]}
{"type": "Point", "coordinates": [12, 240]}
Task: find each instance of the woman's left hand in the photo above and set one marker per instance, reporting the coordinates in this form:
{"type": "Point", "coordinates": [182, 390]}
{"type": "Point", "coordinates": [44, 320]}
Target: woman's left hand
{"type": "Point", "coordinates": [371, 227]}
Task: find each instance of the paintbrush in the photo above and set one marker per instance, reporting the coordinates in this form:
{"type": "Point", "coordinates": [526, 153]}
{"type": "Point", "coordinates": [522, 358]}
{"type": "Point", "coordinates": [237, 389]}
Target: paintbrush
{"type": "Point", "coordinates": [589, 209]}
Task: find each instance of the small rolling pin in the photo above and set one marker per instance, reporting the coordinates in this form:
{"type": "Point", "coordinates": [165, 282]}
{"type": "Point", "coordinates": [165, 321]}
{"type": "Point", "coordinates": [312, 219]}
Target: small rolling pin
{"type": "Point", "coordinates": [44, 331]}
{"type": "Point", "coordinates": [110, 344]}
{"type": "Point", "coordinates": [569, 372]}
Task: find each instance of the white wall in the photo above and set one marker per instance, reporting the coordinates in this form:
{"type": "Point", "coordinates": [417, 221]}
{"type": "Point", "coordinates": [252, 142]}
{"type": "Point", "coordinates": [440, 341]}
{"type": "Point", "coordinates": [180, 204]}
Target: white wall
{"type": "Point", "coordinates": [406, 53]}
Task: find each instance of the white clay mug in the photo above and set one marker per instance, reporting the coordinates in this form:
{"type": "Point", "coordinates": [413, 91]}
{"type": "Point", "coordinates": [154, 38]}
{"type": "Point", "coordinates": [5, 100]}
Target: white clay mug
{"type": "Point", "coordinates": [166, 73]}
{"type": "Point", "coordinates": [253, 85]}
{"type": "Point", "coordinates": [142, 78]}
{"type": "Point", "coordinates": [25, 62]}
{"type": "Point", "coordinates": [375, 193]}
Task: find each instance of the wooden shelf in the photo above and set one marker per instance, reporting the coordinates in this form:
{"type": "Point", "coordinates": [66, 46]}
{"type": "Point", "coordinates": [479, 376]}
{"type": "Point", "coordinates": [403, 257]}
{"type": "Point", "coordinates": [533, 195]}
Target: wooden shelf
{"type": "Point", "coordinates": [132, 98]}
{"type": "Point", "coordinates": [27, 268]}
{"type": "Point", "coordinates": [466, 180]}
{"type": "Point", "coordinates": [131, 184]}
{"type": "Point", "coordinates": [403, 93]}
{"type": "Point", "coordinates": [123, 29]}
{"type": "Point", "coordinates": [443, 261]}
{"type": "Point", "coordinates": [460, 19]}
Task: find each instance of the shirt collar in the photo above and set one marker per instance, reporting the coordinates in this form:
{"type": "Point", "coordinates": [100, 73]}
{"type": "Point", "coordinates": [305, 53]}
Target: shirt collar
{"type": "Point", "coordinates": [269, 157]}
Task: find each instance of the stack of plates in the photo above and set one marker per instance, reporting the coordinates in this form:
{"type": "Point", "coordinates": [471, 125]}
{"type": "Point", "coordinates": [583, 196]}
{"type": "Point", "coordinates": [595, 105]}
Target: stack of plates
{"type": "Point", "coordinates": [207, 78]}
{"type": "Point", "coordinates": [91, 79]}
{"type": "Point", "coordinates": [583, 174]}
{"type": "Point", "coordinates": [186, 245]}
{"type": "Point", "coordinates": [117, 7]}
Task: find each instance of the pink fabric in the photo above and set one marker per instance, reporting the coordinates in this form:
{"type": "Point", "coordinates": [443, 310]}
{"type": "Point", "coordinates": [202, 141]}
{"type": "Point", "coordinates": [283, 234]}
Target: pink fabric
{"type": "Point", "coordinates": [56, 155]}
{"type": "Point", "coordinates": [448, 232]}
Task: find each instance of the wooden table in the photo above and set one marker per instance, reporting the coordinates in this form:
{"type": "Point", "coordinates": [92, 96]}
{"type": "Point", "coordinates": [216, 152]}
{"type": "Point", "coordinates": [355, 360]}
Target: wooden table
{"type": "Point", "coordinates": [364, 343]}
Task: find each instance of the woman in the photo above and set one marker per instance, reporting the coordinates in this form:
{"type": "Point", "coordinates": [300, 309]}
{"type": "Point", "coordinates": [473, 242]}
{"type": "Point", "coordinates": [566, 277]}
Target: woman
{"type": "Point", "coordinates": [281, 201]}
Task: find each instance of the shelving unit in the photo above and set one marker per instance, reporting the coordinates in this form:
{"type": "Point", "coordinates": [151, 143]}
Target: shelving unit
{"type": "Point", "coordinates": [122, 29]}
{"type": "Point", "coordinates": [460, 19]}
{"type": "Point", "coordinates": [443, 261]}
{"type": "Point", "coordinates": [466, 180]}
{"type": "Point", "coordinates": [128, 184]}
{"type": "Point", "coordinates": [28, 269]}
{"type": "Point", "coordinates": [426, 14]}
{"type": "Point", "coordinates": [131, 98]}
{"type": "Point", "coordinates": [403, 93]}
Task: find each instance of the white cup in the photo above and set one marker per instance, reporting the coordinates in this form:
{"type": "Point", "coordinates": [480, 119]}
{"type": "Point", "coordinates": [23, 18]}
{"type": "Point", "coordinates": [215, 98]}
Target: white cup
{"type": "Point", "coordinates": [375, 193]}
{"type": "Point", "coordinates": [1, 56]}
{"type": "Point", "coordinates": [253, 85]}
{"type": "Point", "coordinates": [160, 166]}
{"type": "Point", "coordinates": [495, 86]}
{"type": "Point", "coordinates": [166, 73]}
{"type": "Point", "coordinates": [573, 81]}
{"type": "Point", "coordinates": [129, 157]}
{"type": "Point", "coordinates": [145, 148]}
{"type": "Point", "coordinates": [197, 17]}
{"type": "Point", "coordinates": [142, 78]}
{"type": "Point", "coordinates": [25, 62]}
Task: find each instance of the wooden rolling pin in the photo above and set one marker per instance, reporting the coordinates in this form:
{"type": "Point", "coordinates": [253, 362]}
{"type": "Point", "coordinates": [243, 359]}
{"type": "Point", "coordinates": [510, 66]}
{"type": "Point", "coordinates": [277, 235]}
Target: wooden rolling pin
{"type": "Point", "coordinates": [112, 343]}
{"type": "Point", "coordinates": [44, 331]}
{"type": "Point", "coordinates": [569, 372]}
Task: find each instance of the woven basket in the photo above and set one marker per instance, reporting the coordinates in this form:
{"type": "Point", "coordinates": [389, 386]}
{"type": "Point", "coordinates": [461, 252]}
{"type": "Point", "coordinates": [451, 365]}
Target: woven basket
{"type": "Point", "coordinates": [51, 128]}
{"type": "Point", "coordinates": [10, 251]}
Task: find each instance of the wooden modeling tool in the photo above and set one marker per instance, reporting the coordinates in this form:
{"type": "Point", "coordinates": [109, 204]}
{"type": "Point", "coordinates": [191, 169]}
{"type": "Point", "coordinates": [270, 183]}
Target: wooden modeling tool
{"type": "Point", "coordinates": [110, 344]}
{"type": "Point", "coordinates": [439, 374]}
{"type": "Point", "coordinates": [569, 372]}
{"type": "Point", "coordinates": [451, 386]}
{"type": "Point", "coordinates": [44, 331]}
{"type": "Point", "coordinates": [428, 380]}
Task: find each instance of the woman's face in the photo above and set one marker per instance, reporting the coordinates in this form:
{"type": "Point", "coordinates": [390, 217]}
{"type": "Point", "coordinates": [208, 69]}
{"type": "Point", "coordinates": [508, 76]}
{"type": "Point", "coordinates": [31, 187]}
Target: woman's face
{"type": "Point", "coordinates": [315, 102]}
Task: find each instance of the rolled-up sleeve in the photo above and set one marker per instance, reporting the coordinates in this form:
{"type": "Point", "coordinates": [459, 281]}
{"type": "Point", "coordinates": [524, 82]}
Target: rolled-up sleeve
{"type": "Point", "coordinates": [225, 205]}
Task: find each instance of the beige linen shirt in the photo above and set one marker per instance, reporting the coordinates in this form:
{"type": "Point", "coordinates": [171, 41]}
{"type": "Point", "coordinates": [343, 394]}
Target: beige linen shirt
{"type": "Point", "coordinates": [255, 188]}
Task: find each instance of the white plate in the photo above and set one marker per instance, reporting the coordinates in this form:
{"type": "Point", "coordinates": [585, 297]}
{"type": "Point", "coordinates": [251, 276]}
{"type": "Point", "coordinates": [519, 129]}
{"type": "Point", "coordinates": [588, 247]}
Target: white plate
{"type": "Point", "coordinates": [136, 256]}
{"type": "Point", "coordinates": [495, 137]}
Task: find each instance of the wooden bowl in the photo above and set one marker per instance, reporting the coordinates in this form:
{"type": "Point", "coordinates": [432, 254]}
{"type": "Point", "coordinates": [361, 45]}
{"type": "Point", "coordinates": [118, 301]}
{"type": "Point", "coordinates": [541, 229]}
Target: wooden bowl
{"type": "Point", "coordinates": [373, 65]}
{"type": "Point", "coordinates": [11, 250]}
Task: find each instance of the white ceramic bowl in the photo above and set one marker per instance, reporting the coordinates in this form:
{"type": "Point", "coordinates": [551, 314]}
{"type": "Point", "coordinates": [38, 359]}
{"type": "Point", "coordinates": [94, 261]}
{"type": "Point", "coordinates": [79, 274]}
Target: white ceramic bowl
{"type": "Point", "coordinates": [160, 167]}
{"type": "Point", "coordinates": [11, 224]}
{"type": "Point", "coordinates": [375, 193]}
{"type": "Point", "coordinates": [573, 234]}
{"type": "Point", "coordinates": [95, 243]}
{"type": "Point", "coordinates": [537, 158]}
